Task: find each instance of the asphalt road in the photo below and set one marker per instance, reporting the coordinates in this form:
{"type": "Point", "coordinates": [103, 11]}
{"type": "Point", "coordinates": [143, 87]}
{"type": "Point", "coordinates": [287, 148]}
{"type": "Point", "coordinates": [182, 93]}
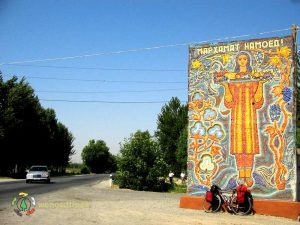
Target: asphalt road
{"type": "Point", "coordinates": [10, 189]}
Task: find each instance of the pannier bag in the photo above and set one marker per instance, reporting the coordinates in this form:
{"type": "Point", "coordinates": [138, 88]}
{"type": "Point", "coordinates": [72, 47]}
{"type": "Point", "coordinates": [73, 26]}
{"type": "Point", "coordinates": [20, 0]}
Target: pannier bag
{"type": "Point", "coordinates": [241, 193]}
{"type": "Point", "coordinates": [209, 196]}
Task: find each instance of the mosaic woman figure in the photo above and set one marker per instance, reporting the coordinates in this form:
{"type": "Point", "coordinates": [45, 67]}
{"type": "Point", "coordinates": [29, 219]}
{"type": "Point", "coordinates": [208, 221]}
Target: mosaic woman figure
{"type": "Point", "coordinates": [243, 96]}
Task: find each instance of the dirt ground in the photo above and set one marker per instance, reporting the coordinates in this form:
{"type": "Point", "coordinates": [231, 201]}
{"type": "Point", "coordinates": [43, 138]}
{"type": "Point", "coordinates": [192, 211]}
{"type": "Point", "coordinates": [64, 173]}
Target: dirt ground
{"type": "Point", "coordinates": [99, 204]}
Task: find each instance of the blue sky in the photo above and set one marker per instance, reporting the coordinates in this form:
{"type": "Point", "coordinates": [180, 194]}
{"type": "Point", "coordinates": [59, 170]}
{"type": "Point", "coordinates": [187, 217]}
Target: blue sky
{"type": "Point", "coordinates": [53, 29]}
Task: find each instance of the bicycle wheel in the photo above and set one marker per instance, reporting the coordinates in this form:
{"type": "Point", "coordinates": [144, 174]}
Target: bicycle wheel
{"type": "Point", "coordinates": [213, 206]}
{"type": "Point", "coordinates": [241, 208]}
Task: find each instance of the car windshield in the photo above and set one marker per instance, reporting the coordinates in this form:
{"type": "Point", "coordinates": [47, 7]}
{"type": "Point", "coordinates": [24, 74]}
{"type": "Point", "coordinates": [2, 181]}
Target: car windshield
{"type": "Point", "coordinates": [38, 168]}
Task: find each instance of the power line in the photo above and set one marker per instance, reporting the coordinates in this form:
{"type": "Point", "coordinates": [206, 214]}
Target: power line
{"type": "Point", "coordinates": [96, 80]}
{"type": "Point", "coordinates": [140, 49]}
{"type": "Point", "coordinates": [103, 92]}
{"type": "Point", "coordinates": [109, 102]}
{"type": "Point", "coordinates": [99, 68]}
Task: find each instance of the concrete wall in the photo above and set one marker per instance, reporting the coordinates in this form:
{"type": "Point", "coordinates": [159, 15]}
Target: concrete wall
{"type": "Point", "coordinates": [242, 117]}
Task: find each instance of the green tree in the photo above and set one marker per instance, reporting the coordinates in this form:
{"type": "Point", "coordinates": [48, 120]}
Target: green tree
{"type": "Point", "coordinates": [170, 124]}
{"type": "Point", "coordinates": [29, 134]}
{"type": "Point", "coordinates": [19, 120]}
{"type": "Point", "coordinates": [97, 157]}
{"type": "Point", "coordinates": [181, 151]}
{"type": "Point", "coordinates": [63, 142]}
{"type": "Point", "coordinates": [140, 163]}
{"type": "Point", "coordinates": [57, 141]}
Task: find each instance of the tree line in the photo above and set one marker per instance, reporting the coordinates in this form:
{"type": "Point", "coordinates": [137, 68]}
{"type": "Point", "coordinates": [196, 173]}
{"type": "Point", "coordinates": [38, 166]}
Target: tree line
{"type": "Point", "coordinates": [29, 133]}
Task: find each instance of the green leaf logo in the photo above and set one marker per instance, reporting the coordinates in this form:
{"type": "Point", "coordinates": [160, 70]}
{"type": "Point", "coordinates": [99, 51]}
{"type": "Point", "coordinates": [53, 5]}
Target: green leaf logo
{"type": "Point", "coordinates": [23, 205]}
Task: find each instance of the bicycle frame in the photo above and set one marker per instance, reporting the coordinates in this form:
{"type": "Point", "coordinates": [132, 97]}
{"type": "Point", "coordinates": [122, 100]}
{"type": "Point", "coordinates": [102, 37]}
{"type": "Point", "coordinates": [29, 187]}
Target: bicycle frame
{"type": "Point", "coordinates": [230, 202]}
{"type": "Point", "coordinates": [227, 200]}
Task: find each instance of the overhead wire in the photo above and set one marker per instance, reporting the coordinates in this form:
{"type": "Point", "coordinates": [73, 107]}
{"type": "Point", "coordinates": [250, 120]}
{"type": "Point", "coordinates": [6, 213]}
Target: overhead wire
{"type": "Point", "coordinates": [123, 81]}
{"type": "Point", "coordinates": [99, 68]}
{"type": "Point", "coordinates": [111, 102]}
{"type": "Point", "coordinates": [140, 49]}
{"type": "Point", "coordinates": [97, 80]}
{"type": "Point", "coordinates": [104, 92]}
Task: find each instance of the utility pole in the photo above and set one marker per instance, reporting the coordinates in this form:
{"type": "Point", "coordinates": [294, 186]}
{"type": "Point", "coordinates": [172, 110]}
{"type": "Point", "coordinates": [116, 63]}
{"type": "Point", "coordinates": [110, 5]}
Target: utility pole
{"type": "Point", "coordinates": [296, 103]}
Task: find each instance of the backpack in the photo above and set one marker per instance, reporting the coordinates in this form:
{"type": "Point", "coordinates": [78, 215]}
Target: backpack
{"type": "Point", "coordinates": [242, 193]}
{"type": "Point", "coordinates": [209, 196]}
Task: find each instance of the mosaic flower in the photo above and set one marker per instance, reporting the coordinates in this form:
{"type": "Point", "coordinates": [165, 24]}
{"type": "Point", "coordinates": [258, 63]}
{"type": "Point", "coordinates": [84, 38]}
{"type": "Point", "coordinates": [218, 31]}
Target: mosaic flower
{"type": "Point", "coordinates": [197, 96]}
{"type": "Point", "coordinates": [275, 112]}
{"type": "Point", "coordinates": [215, 150]}
{"type": "Point", "coordinates": [209, 114]}
{"type": "Point", "coordinates": [287, 94]}
{"type": "Point", "coordinates": [277, 90]}
{"type": "Point", "coordinates": [196, 64]}
{"type": "Point", "coordinates": [197, 104]}
{"type": "Point", "coordinates": [274, 60]}
{"type": "Point", "coordinates": [285, 52]}
{"type": "Point", "coordinates": [206, 163]}
{"type": "Point", "coordinates": [216, 131]}
{"type": "Point", "coordinates": [225, 58]}
{"type": "Point", "coordinates": [198, 128]}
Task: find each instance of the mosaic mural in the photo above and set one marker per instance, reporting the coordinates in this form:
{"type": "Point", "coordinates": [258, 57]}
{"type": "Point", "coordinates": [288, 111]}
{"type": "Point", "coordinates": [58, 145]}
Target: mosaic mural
{"type": "Point", "coordinates": [241, 117]}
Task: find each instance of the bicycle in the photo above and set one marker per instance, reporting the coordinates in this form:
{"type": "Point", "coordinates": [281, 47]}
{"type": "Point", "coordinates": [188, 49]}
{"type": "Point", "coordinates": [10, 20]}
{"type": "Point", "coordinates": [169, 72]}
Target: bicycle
{"type": "Point", "coordinates": [231, 203]}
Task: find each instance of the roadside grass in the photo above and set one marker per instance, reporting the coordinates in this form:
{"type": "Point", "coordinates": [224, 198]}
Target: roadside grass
{"type": "Point", "coordinates": [178, 188]}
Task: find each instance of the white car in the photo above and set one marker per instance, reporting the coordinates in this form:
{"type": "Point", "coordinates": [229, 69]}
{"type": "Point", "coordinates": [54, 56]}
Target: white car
{"type": "Point", "coordinates": [38, 173]}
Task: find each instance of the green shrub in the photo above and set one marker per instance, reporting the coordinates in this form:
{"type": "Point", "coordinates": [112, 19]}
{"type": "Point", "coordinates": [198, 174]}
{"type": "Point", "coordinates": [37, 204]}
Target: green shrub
{"type": "Point", "coordinates": [140, 164]}
{"type": "Point", "coordinates": [85, 170]}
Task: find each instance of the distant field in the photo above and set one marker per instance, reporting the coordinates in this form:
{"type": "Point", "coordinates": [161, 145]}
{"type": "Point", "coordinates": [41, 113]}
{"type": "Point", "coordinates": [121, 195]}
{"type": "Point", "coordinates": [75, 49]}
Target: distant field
{"type": "Point", "coordinates": [74, 169]}
{"type": "Point", "coordinates": [5, 178]}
